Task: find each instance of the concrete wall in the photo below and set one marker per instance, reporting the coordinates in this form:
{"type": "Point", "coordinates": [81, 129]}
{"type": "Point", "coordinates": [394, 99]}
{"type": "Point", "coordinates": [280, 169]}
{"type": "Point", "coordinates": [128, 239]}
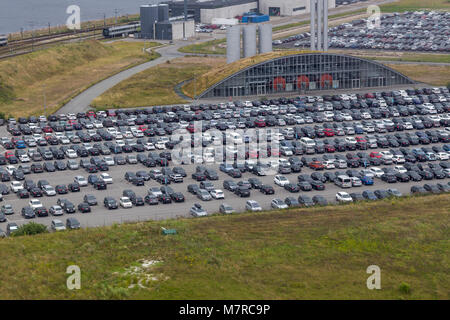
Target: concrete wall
{"type": "Point", "coordinates": [287, 6]}
{"type": "Point", "coordinates": [206, 15]}
{"type": "Point", "coordinates": [177, 29]}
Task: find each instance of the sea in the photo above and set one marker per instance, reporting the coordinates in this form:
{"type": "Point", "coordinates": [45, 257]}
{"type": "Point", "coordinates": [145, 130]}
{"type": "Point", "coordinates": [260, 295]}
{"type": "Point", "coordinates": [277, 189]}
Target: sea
{"type": "Point", "coordinates": [22, 15]}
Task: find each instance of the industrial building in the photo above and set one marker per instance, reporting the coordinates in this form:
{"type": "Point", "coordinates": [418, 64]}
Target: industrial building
{"type": "Point", "coordinates": [306, 72]}
{"type": "Point", "coordinates": [205, 10]}
{"type": "Point", "coordinates": [156, 24]}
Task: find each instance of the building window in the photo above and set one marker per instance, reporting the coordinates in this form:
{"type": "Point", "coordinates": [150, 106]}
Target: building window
{"type": "Point", "coordinates": [299, 8]}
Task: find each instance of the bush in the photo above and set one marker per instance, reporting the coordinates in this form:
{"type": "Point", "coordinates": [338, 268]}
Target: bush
{"type": "Point", "coordinates": [404, 288]}
{"type": "Point", "coordinates": [30, 229]}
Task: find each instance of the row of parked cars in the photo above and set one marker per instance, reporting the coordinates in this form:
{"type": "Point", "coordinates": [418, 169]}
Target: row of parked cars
{"type": "Point", "coordinates": [407, 31]}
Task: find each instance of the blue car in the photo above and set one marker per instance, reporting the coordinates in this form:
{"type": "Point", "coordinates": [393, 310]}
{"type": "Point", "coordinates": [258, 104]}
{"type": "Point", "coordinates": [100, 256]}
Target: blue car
{"type": "Point", "coordinates": [20, 144]}
{"type": "Point", "coordinates": [368, 181]}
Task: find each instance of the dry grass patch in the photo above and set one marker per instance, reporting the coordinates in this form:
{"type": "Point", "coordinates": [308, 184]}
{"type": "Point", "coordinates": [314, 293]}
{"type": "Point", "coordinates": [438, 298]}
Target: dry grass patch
{"type": "Point", "coordinates": [62, 72]}
{"type": "Point", "coordinates": [431, 74]}
{"type": "Point", "coordinates": [155, 86]}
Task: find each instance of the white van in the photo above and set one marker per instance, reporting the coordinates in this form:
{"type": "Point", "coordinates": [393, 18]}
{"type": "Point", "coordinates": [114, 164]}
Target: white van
{"type": "Point", "coordinates": [343, 181]}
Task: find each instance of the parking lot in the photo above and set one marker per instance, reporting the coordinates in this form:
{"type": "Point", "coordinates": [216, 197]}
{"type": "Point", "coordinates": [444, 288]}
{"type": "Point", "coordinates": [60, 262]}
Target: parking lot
{"type": "Point", "coordinates": [316, 135]}
{"type": "Point", "coordinates": [408, 31]}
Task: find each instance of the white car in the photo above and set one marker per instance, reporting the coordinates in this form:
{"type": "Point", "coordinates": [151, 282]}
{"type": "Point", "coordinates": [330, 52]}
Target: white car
{"type": "Point", "coordinates": [10, 169]}
{"type": "Point", "coordinates": [442, 155]}
{"type": "Point", "coordinates": [49, 190]}
{"type": "Point", "coordinates": [398, 158]}
{"type": "Point", "coordinates": [343, 197]}
{"type": "Point", "coordinates": [386, 154]}
{"type": "Point", "coordinates": [217, 194]}
{"type": "Point", "coordinates": [24, 158]}
{"type": "Point", "coordinates": [35, 203]}
{"type": "Point", "coordinates": [81, 181]}
{"type": "Point", "coordinates": [56, 210]}
{"type": "Point", "coordinates": [351, 140]}
{"type": "Point", "coordinates": [278, 204]}
{"type": "Point", "coordinates": [109, 161]}
{"type": "Point", "coordinates": [377, 172]}
{"type": "Point", "coordinates": [252, 205]}
{"type": "Point", "coordinates": [57, 225]}
{"type": "Point", "coordinates": [356, 182]}
{"type": "Point", "coordinates": [149, 146]}
{"type": "Point", "coordinates": [125, 202]}
{"type": "Point", "coordinates": [16, 186]}
{"type": "Point", "coordinates": [106, 177]}
{"type": "Point", "coordinates": [280, 180]}
{"type": "Point", "coordinates": [329, 164]}
{"type": "Point", "coordinates": [400, 169]}
{"type": "Point", "coordinates": [160, 145]}
{"type": "Point", "coordinates": [71, 154]}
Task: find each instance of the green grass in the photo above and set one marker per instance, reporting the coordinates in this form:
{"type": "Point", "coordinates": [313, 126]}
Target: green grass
{"type": "Point", "coordinates": [317, 253]}
{"type": "Point", "coordinates": [413, 5]}
{"type": "Point", "coordinates": [155, 86]}
{"type": "Point", "coordinates": [208, 47]}
{"type": "Point", "coordinates": [62, 72]}
{"type": "Point", "coordinates": [434, 58]}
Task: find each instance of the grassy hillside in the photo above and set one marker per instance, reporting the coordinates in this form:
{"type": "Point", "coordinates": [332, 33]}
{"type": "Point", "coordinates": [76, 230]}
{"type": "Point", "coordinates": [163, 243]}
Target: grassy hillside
{"type": "Point", "coordinates": [431, 74]}
{"type": "Point", "coordinates": [62, 72]}
{"type": "Point", "coordinates": [155, 86]}
{"type": "Point", "coordinates": [412, 5]}
{"type": "Point", "coordinates": [319, 253]}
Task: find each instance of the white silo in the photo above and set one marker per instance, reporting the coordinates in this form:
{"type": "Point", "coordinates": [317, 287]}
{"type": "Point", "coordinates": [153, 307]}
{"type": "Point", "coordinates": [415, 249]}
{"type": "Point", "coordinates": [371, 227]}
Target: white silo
{"type": "Point", "coordinates": [249, 39]}
{"type": "Point", "coordinates": [265, 38]}
{"type": "Point", "coordinates": [233, 43]}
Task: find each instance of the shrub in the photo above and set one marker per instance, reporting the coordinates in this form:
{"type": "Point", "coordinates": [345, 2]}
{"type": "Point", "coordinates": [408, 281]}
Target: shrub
{"type": "Point", "coordinates": [30, 229]}
{"type": "Point", "coordinates": [404, 288]}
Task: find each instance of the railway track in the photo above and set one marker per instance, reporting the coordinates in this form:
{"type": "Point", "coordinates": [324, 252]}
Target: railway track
{"type": "Point", "coordinates": [24, 46]}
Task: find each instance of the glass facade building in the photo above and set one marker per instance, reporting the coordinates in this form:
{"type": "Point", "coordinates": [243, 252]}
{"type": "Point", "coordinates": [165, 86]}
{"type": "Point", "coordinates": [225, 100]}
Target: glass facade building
{"type": "Point", "coordinates": [305, 73]}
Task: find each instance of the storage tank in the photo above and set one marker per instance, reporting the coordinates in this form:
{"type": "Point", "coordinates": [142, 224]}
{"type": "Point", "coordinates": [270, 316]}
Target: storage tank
{"type": "Point", "coordinates": [149, 14]}
{"type": "Point", "coordinates": [233, 43]}
{"type": "Point", "coordinates": [265, 38]}
{"type": "Point", "coordinates": [163, 12]}
{"type": "Point", "coordinates": [249, 39]}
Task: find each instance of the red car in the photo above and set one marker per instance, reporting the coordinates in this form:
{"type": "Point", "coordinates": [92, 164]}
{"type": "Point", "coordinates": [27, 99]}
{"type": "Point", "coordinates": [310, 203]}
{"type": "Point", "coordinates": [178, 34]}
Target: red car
{"type": "Point", "coordinates": [375, 155]}
{"type": "Point", "coordinates": [47, 129]}
{"type": "Point", "coordinates": [329, 148]}
{"type": "Point", "coordinates": [328, 132]}
{"type": "Point", "coordinates": [190, 128]}
{"type": "Point", "coordinates": [91, 114]}
{"type": "Point", "coordinates": [9, 154]}
{"type": "Point", "coordinates": [260, 123]}
{"type": "Point", "coordinates": [316, 165]}
{"type": "Point", "coordinates": [360, 139]}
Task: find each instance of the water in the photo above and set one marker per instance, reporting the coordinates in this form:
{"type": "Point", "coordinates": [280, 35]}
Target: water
{"type": "Point", "coordinates": [37, 14]}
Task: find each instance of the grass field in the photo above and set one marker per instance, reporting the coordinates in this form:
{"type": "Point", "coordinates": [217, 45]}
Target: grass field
{"type": "Point", "coordinates": [61, 72]}
{"type": "Point", "coordinates": [413, 5]}
{"type": "Point", "coordinates": [318, 253]}
{"type": "Point", "coordinates": [434, 58]}
{"type": "Point", "coordinates": [434, 75]}
{"type": "Point", "coordinates": [207, 47]}
{"type": "Point", "coordinates": [155, 86]}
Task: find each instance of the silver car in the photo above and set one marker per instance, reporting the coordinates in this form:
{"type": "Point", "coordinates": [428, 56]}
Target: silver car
{"type": "Point", "coordinates": [57, 225]}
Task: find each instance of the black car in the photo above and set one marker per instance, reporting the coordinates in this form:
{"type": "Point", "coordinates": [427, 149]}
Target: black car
{"type": "Point", "coordinates": [110, 203]}
{"type": "Point", "coordinates": [90, 199]}
{"type": "Point", "coordinates": [369, 195]}
{"type": "Point", "coordinates": [74, 187]}
{"type": "Point", "coordinates": [381, 194]}
{"type": "Point", "coordinates": [242, 191]}
{"type": "Point", "coordinates": [305, 186]}
{"type": "Point", "coordinates": [84, 207]}
{"type": "Point", "coordinates": [356, 196]}
{"type": "Point", "coordinates": [292, 202]}
{"type": "Point", "coordinates": [418, 190]}
{"type": "Point", "coordinates": [177, 197]}
{"type": "Point", "coordinates": [305, 201]}
{"type": "Point", "coordinates": [35, 192]}
{"type": "Point", "coordinates": [28, 213]}
{"type": "Point", "coordinates": [151, 199]}
{"type": "Point", "coordinates": [230, 185]}
{"type": "Point", "coordinates": [292, 187]}
{"type": "Point", "coordinates": [23, 194]}
{"type": "Point", "coordinates": [267, 189]}
{"type": "Point", "coordinates": [319, 200]}
{"type": "Point", "coordinates": [432, 188]}
{"type": "Point", "coordinates": [389, 178]}
{"type": "Point", "coordinates": [61, 189]}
